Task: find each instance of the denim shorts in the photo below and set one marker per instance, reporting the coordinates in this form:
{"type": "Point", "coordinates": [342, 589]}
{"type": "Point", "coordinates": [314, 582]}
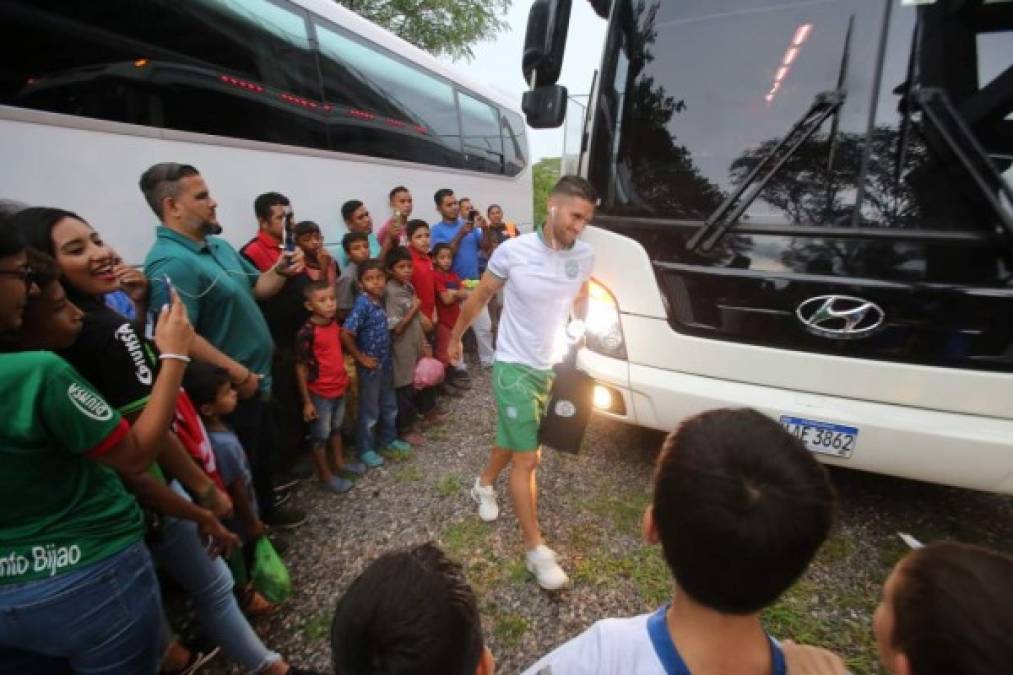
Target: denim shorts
{"type": "Point", "coordinates": [330, 417]}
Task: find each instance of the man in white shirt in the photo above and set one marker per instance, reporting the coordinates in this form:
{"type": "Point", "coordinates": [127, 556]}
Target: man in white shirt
{"type": "Point", "coordinates": [542, 274]}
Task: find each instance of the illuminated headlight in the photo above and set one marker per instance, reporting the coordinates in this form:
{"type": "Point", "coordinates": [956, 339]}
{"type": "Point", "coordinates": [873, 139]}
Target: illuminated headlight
{"type": "Point", "coordinates": [603, 330]}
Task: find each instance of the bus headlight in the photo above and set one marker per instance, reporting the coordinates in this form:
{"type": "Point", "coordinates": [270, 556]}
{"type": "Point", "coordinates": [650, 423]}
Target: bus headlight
{"type": "Point", "coordinates": [603, 330]}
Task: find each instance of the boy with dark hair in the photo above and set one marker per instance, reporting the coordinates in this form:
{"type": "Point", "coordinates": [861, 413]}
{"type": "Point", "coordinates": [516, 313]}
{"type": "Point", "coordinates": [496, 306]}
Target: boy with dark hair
{"type": "Point", "coordinates": [411, 612]}
{"type": "Point", "coordinates": [366, 336]}
{"type": "Point", "coordinates": [319, 263]}
{"type": "Point", "coordinates": [322, 379]}
{"type": "Point", "coordinates": [401, 210]}
{"type": "Point", "coordinates": [450, 293]}
{"type": "Point", "coordinates": [740, 508]}
{"type": "Point", "coordinates": [356, 248]}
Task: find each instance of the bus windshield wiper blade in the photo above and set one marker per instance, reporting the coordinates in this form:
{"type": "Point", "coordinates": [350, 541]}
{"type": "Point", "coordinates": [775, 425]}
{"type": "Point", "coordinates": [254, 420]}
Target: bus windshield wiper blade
{"type": "Point", "coordinates": [823, 106]}
{"type": "Point", "coordinates": [939, 112]}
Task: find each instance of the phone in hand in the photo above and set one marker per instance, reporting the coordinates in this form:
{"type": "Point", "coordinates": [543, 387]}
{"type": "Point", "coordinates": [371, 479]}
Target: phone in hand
{"type": "Point", "coordinates": [169, 289]}
{"type": "Point", "coordinates": [472, 215]}
{"type": "Point", "coordinates": [288, 247]}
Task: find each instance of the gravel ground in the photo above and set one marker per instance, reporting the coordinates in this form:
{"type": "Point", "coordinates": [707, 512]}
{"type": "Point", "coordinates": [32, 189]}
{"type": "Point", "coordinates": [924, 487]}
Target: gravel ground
{"type": "Point", "coordinates": [590, 508]}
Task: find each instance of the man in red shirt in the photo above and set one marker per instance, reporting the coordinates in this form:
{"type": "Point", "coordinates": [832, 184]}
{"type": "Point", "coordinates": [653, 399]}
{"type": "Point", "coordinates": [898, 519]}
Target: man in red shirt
{"type": "Point", "coordinates": [274, 216]}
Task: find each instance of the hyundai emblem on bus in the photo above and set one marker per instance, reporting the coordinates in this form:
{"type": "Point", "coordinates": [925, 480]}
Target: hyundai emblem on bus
{"type": "Point", "coordinates": [841, 317]}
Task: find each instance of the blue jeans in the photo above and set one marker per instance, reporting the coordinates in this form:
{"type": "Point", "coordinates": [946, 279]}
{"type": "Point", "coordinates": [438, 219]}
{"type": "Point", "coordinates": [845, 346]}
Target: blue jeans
{"type": "Point", "coordinates": [330, 417]}
{"type": "Point", "coordinates": [209, 584]}
{"type": "Point", "coordinates": [377, 408]}
{"type": "Point", "coordinates": [103, 618]}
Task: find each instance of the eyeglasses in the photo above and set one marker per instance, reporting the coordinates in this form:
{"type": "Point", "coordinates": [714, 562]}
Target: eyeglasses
{"type": "Point", "coordinates": [26, 274]}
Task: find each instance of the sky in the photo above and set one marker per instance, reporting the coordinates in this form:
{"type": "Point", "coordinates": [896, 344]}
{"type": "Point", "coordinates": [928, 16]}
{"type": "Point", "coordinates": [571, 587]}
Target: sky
{"type": "Point", "coordinates": [497, 63]}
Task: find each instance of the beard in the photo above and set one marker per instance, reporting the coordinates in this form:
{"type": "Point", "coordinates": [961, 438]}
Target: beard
{"type": "Point", "coordinates": [207, 227]}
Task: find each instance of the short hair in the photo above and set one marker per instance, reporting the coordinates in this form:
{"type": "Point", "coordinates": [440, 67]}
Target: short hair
{"type": "Point", "coordinates": [395, 255]}
{"type": "Point", "coordinates": [575, 186]}
{"type": "Point", "coordinates": [741, 507]}
{"type": "Point", "coordinates": [410, 612]}
{"type": "Point", "coordinates": [440, 194]}
{"type": "Point", "coordinates": [415, 224]}
{"type": "Point", "coordinates": [367, 265]}
{"type": "Point", "coordinates": [349, 208]}
{"type": "Point", "coordinates": [202, 381]}
{"type": "Point", "coordinates": [491, 207]}
{"type": "Point", "coordinates": [37, 222]}
{"type": "Point", "coordinates": [953, 610]}
{"type": "Point", "coordinates": [305, 227]}
{"type": "Point", "coordinates": [44, 268]}
{"type": "Point", "coordinates": [439, 247]}
{"type": "Point", "coordinates": [352, 237]}
{"type": "Point", "coordinates": [464, 199]}
{"type": "Point", "coordinates": [262, 204]}
{"type": "Point", "coordinates": [394, 192]}
{"type": "Point", "coordinates": [161, 181]}
{"type": "Point", "coordinates": [314, 286]}
{"type": "Point", "coordinates": [12, 240]}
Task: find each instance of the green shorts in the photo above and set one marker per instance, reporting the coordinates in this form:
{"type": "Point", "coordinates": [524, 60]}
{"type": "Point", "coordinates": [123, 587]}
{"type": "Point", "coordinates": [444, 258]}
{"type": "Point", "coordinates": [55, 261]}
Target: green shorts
{"type": "Point", "coordinates": [521, 393]}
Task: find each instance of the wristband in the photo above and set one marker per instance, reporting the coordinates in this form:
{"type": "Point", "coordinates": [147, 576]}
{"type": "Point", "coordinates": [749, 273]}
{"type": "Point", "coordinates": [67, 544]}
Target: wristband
{"type": "Point", "coordinates": [173, 357]}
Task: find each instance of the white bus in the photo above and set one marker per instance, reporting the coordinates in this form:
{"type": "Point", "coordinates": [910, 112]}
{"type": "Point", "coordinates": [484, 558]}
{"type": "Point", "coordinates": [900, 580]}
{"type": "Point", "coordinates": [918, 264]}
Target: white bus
{"type": "Point", "coordinates": [806, 210]}
{"type": "Point", "coordinates": [301, 97]}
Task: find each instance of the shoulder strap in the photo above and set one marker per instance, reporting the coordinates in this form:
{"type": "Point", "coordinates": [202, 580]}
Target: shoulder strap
{"type": "Point", "coordinates": [665, 649]}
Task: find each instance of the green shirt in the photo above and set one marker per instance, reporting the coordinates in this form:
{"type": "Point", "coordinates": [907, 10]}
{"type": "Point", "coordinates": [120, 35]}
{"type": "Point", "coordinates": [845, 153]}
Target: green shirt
{"type": "Point", "coordinates": [59, 510]}
{"type": "Point", "coordinates": [216, 285]}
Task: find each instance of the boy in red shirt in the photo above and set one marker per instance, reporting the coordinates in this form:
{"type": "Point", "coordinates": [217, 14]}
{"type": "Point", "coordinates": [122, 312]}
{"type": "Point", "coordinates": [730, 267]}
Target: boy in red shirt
{"type": "Point", "coordinates": [320, 372]}
{"type": "Point", "coordinates": [450, 293]}
{"type": "Point", "coordinates": [422, 273]}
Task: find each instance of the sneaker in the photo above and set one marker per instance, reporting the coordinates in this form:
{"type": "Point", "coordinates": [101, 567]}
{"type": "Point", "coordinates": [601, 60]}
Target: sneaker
{"type": "Point", "coordinates": [371, 459]}
{"type": "Point", "coordinates": [338, 485]}
{"type": "Point", "coordinates": [285, 519]}
{"type": "Point", "coordinates": [541, 561]}
{"type": "Point", "coordinates": [485, 496]}
{"type": "Point", "coordinates": [353, 468]}
{"type": "Point", "coordinates": [399, 446]}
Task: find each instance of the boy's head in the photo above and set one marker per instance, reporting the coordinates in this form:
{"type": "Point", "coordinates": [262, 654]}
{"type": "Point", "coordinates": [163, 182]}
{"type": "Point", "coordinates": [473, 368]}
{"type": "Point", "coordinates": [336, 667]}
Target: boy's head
{"type": "Point", "coordinates": [947, 608]}
{"type": "Point", "coordinates": [320, 299]}
{"type": "Point", "coordinates": [51, 321]}
{"type": "Point", "coordinates": [443, 256]}
{"type": "Point", "coordinates": [418, 235]}
{"type": "Point", "coordinates": [356, 245]}
{"type": "Point", "coordinates": [372, 277]}
{"type": "Point", "coordinates": [446, 204]}
{"type": "Point", "coordinates": [308, 238]}
{"type": "Point", "coordinates": [401, 201]}
{"type": "Point", "coordinates": [210, 389]}
{"type": "Point", "coordinates": [411, 612]}
{"type": "Point", "coordinates": [399, 263]}
{"type": "Point", "coordinates": [740, 508]}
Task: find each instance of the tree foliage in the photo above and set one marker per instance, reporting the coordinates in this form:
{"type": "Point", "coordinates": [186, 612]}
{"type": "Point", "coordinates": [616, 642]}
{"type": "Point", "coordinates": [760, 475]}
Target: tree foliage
{"type": "Point", "coordinates": [441, 27]}
{"type": "Point", "coordinates": [544, 175]}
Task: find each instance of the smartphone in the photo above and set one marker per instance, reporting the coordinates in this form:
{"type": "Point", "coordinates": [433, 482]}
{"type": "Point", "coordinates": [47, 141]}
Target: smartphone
{"type": "Point", "coordinates": [472, 215]}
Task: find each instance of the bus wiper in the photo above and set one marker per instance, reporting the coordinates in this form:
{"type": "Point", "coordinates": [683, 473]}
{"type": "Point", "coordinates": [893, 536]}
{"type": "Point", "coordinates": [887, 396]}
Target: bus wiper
{"type": "Point", "coordinates": [823, 106]}
{"type": "Point", "coordinates": [842, 78]}
{"type": "Point", "coordinates": [938, 110]}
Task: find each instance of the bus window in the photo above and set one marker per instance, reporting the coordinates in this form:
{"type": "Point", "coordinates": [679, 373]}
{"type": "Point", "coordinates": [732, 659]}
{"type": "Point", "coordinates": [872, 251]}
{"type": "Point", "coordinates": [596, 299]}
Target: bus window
{"type": "Point", "coordinates": [483, 144]}
{"type": "Point", "coordinates": [514, 146]}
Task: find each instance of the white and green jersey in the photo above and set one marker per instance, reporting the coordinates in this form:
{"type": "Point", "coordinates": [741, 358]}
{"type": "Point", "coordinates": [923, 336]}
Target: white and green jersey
{"type": "Point", "coordinates": [541, 285]}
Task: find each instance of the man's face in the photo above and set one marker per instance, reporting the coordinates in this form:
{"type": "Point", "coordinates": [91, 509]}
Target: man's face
{"type": "Point", "coordinates": [358, 251]}
{"type": "Point", "coordinates": [402, 203]}
{"type": "Point", "coordinates": [449, 208]}
{"type": "Point", "coordinates": [310, 243]}
{"type": "Point", "coordinates": [360, 221]}
{"type": "Point", "coordinates": [373, 282]}
{"type": "Point", "coordinates": [568, 216]}
{"type": "Point", "coordinates": [464, 207]}
{"type": "Point", "coordinates": [52, 321]}
{"type": "Point", "coordinates": [14, 291]}
{"type": "Point", "coordinates": [280, 218]}
{"type": "Point", "coordinates": [194, 208]}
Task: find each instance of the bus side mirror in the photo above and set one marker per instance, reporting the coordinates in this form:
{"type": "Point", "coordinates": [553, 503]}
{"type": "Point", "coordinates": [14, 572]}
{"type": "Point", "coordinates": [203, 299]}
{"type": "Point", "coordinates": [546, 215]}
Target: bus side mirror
{"type": "Point", "coordinates": [545, 42]}
{"type": "Point", "coordinates": [545, 107]}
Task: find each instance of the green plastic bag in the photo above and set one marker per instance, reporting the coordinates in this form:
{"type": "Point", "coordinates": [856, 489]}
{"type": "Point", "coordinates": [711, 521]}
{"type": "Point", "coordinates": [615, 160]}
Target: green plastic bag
{"type": "Point", "coordinates": [270, 576]}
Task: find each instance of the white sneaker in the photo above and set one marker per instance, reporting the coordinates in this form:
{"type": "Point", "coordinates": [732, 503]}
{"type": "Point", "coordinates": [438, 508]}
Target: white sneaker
{"type": "Point", "coordinates": [485, 496]}
{"type": "Point", "coordinates": [541, 562]}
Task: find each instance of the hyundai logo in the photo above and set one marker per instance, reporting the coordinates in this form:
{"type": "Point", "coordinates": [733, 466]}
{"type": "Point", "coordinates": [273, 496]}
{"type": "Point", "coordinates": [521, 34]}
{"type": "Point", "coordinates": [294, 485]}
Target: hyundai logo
{"type": "Point", "coordinates": [841, 317]}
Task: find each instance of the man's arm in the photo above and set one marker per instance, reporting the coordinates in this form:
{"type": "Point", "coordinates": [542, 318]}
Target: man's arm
{"type": "Point", "coordinates": [463, 231]}
{"type": "Point", "coordinates": [472, 307]}
{"type": "Point", "coordinates": [270, 283]}
{"type": "Point", "coordinates": [580, 302]}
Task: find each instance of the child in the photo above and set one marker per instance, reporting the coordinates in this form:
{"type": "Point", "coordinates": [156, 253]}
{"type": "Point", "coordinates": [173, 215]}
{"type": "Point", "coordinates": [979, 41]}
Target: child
{"type": "Point", "coordinates": [319, 263]}
{"type": "Point", "coordinates": [366, 337]}
{"type": "Point", "coordinates": [422, 274]}
{"type": "Point", "coordinates": [322, 378]}
{"type": "Point", "coordinates": [411, 612]}
{"type": "Point", "coordinates": [356, 246]}
{"type": "Point", "coordinates": [740, 508]}
{"type": "Point", "coordinates": [450, 293]}
{"type": "Point", "coordinates": [410, 344]}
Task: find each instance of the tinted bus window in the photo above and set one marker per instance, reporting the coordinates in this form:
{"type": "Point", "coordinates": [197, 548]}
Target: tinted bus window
{"type": "Point", "coordinates": [483, 143]}
{"type": "Point", "coordinates": [515, 148]}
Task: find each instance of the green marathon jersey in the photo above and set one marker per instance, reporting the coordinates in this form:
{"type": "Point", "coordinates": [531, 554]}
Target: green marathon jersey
{"type": "Point", "coordinates": [59, 510]}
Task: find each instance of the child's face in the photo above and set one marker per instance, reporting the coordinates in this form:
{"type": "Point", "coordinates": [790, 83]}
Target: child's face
{"type": "Point", "coordinates": [420, 240]}
{"type": "Point", "coordinates": [444, 259]}
{"type": "Point", "coordinates": [402, 271]}
{"type": "Point", "coordinates": [310, 243]}
{"type": "Point", "coordinates": [323, 303]}
{"type": "Point", "coordinates": [358, 251]}
{"type": "Point", "coordinates": [373, 282]}
{"type": "Point", "coordinates": [226, 400]}
{"type": "Point", "coordinates": [51, 320]}
{"type": "Point", "coordinates": [402, 203]}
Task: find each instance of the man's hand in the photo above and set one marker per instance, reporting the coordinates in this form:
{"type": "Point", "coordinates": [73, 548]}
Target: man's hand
{"type": "Point", "coordinates": [368, 362]}
{"type": "Point", "coordinates": [807, 660]}
{"type": "Point", "coordinates": [296, 263]}
{"type": "Point", "coordinates": [309, 411]}
{"type": "Point", "coordinates": [220, 540]}
{"type": "Point", "coordinates": [467, 227]}
{"type": "Point", "coordinates": [454, 350]}
{"type": "Point", "coordinates": [481, 221]}
{"type": "Point", "coordinates": [248, 388]}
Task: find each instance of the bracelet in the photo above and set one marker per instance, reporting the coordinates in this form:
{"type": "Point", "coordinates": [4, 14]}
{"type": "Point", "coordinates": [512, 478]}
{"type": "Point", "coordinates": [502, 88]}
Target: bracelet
{"type": "Point", "coordinates": [174, 357]}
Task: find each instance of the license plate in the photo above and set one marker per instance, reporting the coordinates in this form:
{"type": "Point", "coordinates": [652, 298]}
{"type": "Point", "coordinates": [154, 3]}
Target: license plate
{"type": "Point", "coordinates": [822, 437]}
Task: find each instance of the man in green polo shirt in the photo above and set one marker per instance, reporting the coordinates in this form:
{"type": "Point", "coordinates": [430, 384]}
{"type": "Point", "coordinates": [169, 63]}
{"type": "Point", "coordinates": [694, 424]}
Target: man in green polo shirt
{"type": "Point", "coordinates": [220, 289]}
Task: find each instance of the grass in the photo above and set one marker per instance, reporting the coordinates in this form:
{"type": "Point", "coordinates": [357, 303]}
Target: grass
{"type": "Point", "coordinates": [318, 627]}
{"type": "Point", "coordinates": [509, 628]}
{"type": "Point", "coordinates": [409, 473]}
{"type": "Point", "coordinates": [449, 484]}
{"type": "Point", "coordinates": [463, 537]}
{"type": "Point", "coordinates": [625, 510]}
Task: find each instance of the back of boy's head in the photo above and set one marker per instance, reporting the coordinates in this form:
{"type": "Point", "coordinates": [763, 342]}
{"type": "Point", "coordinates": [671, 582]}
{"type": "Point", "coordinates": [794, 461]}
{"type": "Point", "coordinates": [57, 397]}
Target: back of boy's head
{"type": "Point", "coordinates": [411, 612]}
{"type": "Point", "coordinates": [304, 227]}
{"type": "Point", "coordinates": [310, 289]}
{"type": "Point", "coordinates": [953, 610]}
{"type": "Point", "coordinates": [441, 247]}
{"type": "Point", "coordinates": [202, 382]}
{"type": "Point", "coordinates": [741, 507]}
{"type": "Point", "coordinates": [351, 238]}
{"type": "Point", "coordinates": [367, 265]}
{"type": "Point", "coordinates": [395, 255]}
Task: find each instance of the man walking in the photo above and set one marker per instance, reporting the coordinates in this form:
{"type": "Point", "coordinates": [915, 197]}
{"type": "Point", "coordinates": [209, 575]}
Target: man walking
{"type": "Point", "coordinates": [543, 275]}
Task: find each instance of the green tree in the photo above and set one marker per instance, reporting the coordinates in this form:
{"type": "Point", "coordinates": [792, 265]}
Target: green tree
{"type": "Point", "coordinates": [544, 175]}
{"type": "Point", "coordinates": [441, 27]}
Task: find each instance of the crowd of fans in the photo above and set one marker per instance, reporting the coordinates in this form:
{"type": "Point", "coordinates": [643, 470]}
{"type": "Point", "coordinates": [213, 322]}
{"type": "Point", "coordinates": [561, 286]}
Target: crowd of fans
{"type": "Point", "coordinates": [148, 417]}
